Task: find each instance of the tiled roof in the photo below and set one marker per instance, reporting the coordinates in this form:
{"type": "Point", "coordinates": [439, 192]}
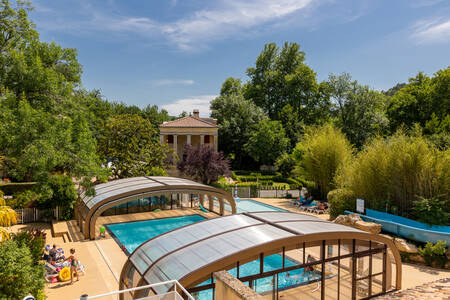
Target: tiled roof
{"type": "Point", "coordinates": [190, 122]}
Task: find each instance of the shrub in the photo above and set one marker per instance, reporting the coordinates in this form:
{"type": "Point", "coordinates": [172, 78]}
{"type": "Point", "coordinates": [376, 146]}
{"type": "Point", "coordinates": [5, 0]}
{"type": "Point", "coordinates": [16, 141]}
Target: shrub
{"type": "Point", "coordinates": [34, 241]}
{"type": "Point", "coordinates": [19, 276]}
{"type": "Point", "coordinates": [16, 187]}
{"type": "Point", "coordinates": [320, 154]}
{"type": "Point", "coordinates": [341, 200]}
{"type": "Point", "coordinates": [285, 164]}
{"type": "Point", "coordinates": [58, 190]}
{"type": "Point", "coordinates": [433, 211]}
{"type": "Point", "coordinates": [434, 253]}
{"type": "Point", "coordinates": [20, 200]}
{"type": "Point", "coordinates": [397, 170]}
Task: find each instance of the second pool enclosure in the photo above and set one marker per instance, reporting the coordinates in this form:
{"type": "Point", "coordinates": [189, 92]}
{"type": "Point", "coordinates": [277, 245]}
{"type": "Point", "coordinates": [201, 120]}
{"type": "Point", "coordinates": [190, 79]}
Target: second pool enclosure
{"type": "Point", "coordinates": [270, 252]}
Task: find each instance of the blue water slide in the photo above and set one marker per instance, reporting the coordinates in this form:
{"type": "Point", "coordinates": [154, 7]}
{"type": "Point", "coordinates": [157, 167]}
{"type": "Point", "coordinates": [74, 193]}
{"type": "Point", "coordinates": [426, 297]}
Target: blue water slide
{"type": "Point", "coordinates": [407, 228]}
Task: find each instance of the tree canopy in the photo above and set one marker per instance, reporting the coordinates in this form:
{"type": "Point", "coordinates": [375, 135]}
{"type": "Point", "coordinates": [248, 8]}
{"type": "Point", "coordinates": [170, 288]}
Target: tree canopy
{"type": "Point", "coordinates": [131, 145]}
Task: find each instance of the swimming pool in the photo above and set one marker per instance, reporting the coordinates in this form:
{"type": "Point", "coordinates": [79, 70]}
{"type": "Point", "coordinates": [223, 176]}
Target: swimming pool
{"type": "Point", "coordinates": [133, 234]}
{"type": "Point", "coordinates": [248, 205]}
{"type": "Point", "coordinates": [264, 285]}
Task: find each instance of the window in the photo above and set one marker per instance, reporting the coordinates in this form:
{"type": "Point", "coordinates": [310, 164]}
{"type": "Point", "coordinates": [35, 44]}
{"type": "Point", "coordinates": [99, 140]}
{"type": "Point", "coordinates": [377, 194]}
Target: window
{"type": "Point", "coordinates": [170, 139]}
{"type": "Point", "coordinates": [207, 139]}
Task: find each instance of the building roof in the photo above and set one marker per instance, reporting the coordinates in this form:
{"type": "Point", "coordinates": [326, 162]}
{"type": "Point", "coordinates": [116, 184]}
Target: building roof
{"type": "Point", "coordinates": [189, 122]}
{"type": "Point", "coordinates": [180, 253]}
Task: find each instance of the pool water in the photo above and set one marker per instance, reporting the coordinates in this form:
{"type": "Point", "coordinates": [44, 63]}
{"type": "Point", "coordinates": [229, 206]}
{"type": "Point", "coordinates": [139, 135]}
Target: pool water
{"type": "Point", "coordinates": [249, 205]}
{"type": "Point", "coordinates": [133, 234]}
{"type": "Point", "coordinates": [265, 285]}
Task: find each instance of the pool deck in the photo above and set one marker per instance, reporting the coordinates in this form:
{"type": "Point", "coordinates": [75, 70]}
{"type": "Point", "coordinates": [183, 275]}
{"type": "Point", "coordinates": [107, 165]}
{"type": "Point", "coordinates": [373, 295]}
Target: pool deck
{"type": "Point", "coordinates": [104, 259]}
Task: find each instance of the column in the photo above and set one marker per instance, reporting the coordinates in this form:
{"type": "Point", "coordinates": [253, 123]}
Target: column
{"type": "Point", "coordinates": [162, 139]}
{"type": "Point", "coordinates": [216, 146]}
{"type": "Point", "coordinates": [202, 139]}
{"type": "Point", "coordinates": [175, 144]}
{"type": "Point", "coordinates": [188, 139]}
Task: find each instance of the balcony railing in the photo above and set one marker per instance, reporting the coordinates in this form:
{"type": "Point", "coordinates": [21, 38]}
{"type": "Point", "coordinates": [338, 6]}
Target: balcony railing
{"type": "Point", "coordinates": [172, 295]}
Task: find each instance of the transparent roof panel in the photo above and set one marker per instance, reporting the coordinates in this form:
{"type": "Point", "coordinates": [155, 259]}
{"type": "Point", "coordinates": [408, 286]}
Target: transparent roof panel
{"type": "Point", "coordinates": [151, 251]}
{"type": "Point", "coordinates": [111, 185]}
{"type": "Point", "coordinates": [317, 227]}
{"type": "Point", "coordinates": [116, 192]}
{"type": "Point", "coordinates": [182, 262]}
{"type": "Point", "coordinates": [270, 216]}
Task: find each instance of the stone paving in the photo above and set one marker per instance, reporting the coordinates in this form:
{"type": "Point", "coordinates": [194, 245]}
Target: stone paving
{"type": "Point", "coordinates": [439, 289]}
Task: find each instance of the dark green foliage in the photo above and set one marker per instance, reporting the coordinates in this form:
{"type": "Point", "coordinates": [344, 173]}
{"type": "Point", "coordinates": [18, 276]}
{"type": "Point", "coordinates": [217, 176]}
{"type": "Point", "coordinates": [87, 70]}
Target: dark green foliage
{"type": "Point", "coordinates": [285, 164]}
{"type": "Point", "coordinates": [131, 145]}
{"type": "Point", "coordinates": [58, 190]}
{"type": "Point", "coordinates": [19, 274]}
{"type": "Point", "coordinates": [20, 200]}
{"type": "Point", "coordinates": [434, 254]}
{"type": "Point", "coordinates": [433, 211]}
{"type": "Point", "coordinates": [267, 142]}
{"type": "Point", "coordinates": [12, 188]}
{"type": "Point", "coordinates": [34, 241]}
{"type": "Point", "coordinates": [237, 118]}
{"type": "Point", "coordinates": [341, 200]}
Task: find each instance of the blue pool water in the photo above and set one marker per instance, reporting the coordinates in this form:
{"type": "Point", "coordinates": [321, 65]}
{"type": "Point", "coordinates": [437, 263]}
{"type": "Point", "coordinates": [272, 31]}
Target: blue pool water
{"type": "Point", "coordinates": [264, 285]}
{"type": "Point", "coordinates": [248, 205]}
{"type": "Point", "coordinates": [133, 234]}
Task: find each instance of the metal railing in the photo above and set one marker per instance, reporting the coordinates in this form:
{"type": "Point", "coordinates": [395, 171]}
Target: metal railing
{"type": "Point", "coordinates": [175, 284]}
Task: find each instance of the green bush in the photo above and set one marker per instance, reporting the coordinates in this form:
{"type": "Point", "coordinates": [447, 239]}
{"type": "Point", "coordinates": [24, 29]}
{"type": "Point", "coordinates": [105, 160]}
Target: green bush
{"type": "Point", "coordinates": [434, 254]}
{"type": "Point", "coordinates": [285, 164]}
{"type": "Point", "coordinates": [341, 200]}
{"type": "Point", "coordinates": [432, 211]}
{"type": "Point", "coordinates": [397, 170]}
{"type": "Point", "coordinates": [321, 153]}
{"type": "Point", "coordinates": [19, 275]}
{"type": "Point", "coordinates": [20, 200]}
{"type": "Point", "coordinates": [34, 242]}
{"type": "Point", "coordinates": [16, 187]}
{"type": "Point", "coordinates": [58, 190]}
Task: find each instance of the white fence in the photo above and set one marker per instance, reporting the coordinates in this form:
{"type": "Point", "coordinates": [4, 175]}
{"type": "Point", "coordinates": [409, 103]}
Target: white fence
{"type": "Point", "coordinates": [278, 193]}
{"type": "Point", "coordinates": [30, 215]}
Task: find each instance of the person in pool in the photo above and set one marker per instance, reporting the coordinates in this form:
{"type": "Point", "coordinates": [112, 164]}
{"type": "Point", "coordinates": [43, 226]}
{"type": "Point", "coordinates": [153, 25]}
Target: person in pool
{"type": "Point", "coordinates": [73, 265]}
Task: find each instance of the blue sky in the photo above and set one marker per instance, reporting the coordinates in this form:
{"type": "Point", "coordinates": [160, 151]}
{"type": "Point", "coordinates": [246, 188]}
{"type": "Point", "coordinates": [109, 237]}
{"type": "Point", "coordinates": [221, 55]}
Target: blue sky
{"type": "Point", "coordinates": [177, 53]}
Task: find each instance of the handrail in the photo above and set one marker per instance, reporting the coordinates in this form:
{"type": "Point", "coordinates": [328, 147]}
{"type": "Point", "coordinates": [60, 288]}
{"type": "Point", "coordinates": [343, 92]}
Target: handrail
{"type": "Point", "coordinates": [174, 282]}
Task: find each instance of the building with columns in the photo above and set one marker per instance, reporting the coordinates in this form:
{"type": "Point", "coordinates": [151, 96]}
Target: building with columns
{"type": "Point", "coordinates": [190, 130]}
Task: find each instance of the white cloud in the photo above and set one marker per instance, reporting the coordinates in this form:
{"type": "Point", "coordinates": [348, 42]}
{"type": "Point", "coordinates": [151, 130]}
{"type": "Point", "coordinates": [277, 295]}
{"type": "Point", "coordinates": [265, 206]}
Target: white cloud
{"type": "Point", "coordinates": [424, 3]}
{"type": "Point", "coordinates": [227, 18]}
{"type": "Point", "coordinates": [432, 31]}
{"type": "Point", "coordinates": [201, 103]}
{"type": "Point", "coordinates": [165, 82]}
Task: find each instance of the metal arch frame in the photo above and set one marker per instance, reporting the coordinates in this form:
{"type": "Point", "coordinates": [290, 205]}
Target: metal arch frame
{"type": "Point", "coordinates": [87, 222]}
{"type": "Point", "coordinates": [272, 247]}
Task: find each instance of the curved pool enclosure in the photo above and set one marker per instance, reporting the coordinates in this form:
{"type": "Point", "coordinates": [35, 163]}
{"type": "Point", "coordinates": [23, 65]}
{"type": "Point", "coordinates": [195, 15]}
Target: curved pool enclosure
{"type": "Point", "coordinates": [271, 252]}
{"type": "Point", "coordinates": [407, 228]}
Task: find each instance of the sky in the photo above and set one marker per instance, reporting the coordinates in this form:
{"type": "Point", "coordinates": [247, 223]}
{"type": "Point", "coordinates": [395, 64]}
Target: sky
{"type": "Point", "coordinates": [177, 53]}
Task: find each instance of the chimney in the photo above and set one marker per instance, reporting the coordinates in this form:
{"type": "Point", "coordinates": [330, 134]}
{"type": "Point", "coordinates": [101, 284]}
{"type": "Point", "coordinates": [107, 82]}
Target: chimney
{"type": "Point", "coordinates": [196, 114]}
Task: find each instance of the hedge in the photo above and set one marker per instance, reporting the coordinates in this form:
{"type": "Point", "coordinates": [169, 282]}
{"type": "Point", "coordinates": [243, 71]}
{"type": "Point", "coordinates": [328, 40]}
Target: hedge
{"type": "Point", "coordinates": [16, 187]}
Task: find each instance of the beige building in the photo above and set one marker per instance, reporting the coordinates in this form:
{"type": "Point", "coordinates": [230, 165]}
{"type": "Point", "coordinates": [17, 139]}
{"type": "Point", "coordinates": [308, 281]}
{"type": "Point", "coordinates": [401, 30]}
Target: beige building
{"type": "Point", "coordinates": [190, 130]}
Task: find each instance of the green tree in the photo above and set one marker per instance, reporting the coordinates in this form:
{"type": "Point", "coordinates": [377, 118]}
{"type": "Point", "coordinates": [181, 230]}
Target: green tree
{"type": "Point", "coordinates": [130, 144]}
{"type": "Point", "coordinates": [267, 142]}
{"type": "Point", "coordinates": [231, 86]}
{"type": "Point", "coordinates": [281, 77]}
{"type": "Point", "coordinates": [285, 164]}
{"type": "Point", "coordinates": [320, 154]}
{"type": "Point", "coordinates": [19, 276]}
{"type": "Point", "coordinates": [236, 118]}
{"type": "Point", "coordinates": [358, 110]}
{"type": "Point", "coordinates": [58, 190]}
{"type": "Point", "coordinates": [420, 99]}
